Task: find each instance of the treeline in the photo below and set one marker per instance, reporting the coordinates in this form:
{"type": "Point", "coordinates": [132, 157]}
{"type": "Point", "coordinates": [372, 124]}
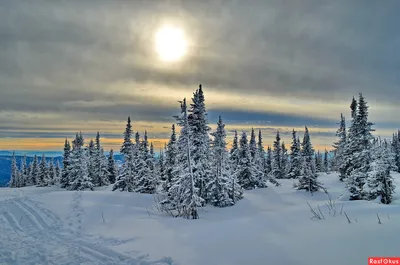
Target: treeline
{"type": "Point", "coordinates": [38, 172]}
{"type": "Point", "coordinates": [196, 168]}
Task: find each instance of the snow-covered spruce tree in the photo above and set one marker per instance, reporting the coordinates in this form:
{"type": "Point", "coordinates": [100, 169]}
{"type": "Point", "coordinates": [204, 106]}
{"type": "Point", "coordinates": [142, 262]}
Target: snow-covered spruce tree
{"type": "Point", "coordinates": [144, 179]}
{"type": "Point", "coordinates": [379, 182]}
{"type": "Point", "coordinates": [64, 180]}
{"type": "Point", "coordinates": [51, 172]}
{"type": "Point", "coordinates": [201, 152]}
{"type": "Point", "coordinates": [160, 169]}
{"type": "Point", "coordinates": [326, 162]}
{"type": "Point", "coordinates": [268, 163]}
{"type": "Point", "coordinates": [14, 173]}
{"type": "Point", "coordinates": [127, 144]}
{"type": "Point", "coordinates": [277, 171]}
{"type": "Point", "coordinates": [346, 163]}
{"type": "Point", "coordinates": [183, 195]}
{"type": "Point", "coordinates": [43, 173]}
{"type": "Point", "coordinates": [34, 175]}
{"type": "Point", "coordinates": [99, 164]}
{"type": "Point", "coordinates": [318, 162]}
{"type": "Point", "coordinates": [23, 173]}
{"type": "Point", "coordinates": [253, 145]}
{"type": "Point", "coordinates": [359, 151]}
{"type": "Point", "coordinates": [58, 174]}
{"type": "Point", "coordinates": [339, 148]}
{"type": "Point", "coordinates": [111, 168]}
{"type": "Point", "coordinates": [126, 174]}
{"type": "Point", "coordinates": [245, 170]}
{"type": "Point", "coordinates": [171, 155]}
{"type": "Point", "coordinates": [284, 160]}
{"type": "Point", "coordinates": [308, 180]}
{"type": "Point", "coordinates": [91, 155]}
{"type": "Point", "coordinates": [261, 163]}
{"type": "Point", "coordinates": [78, 167]}
{"type": "Point", "coordinates": [222, 188]}
{"type": "Point", "coordinates": [234, 154]}
{"type": "Point", "coordinates": [295, 158]}
{"type": "Point", "coordinates": [395, 146]}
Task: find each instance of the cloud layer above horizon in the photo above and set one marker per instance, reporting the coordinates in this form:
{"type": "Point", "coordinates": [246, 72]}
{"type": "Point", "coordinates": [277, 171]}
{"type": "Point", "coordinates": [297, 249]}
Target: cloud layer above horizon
{"type": "Point", "coordinates": [86, 65]}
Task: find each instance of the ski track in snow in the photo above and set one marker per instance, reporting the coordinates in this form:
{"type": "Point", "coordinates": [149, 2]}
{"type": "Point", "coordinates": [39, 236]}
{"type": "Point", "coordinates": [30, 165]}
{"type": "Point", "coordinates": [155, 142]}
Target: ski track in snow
{"type": "Point", "coordinates": [32, 234]}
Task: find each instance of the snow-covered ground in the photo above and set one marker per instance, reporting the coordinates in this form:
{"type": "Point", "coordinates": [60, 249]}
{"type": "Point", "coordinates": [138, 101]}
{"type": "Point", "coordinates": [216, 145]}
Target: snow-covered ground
{"type": "Point", "coordinates": [269, 226]}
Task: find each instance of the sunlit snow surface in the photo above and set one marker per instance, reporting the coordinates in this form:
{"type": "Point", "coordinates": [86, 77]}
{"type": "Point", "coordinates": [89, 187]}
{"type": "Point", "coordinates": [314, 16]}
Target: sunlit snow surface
{"type": "Point", "coordinates": [269, 226]}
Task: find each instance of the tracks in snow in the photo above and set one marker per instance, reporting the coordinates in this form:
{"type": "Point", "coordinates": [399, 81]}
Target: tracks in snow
{"type": "Point", "coordinates": [31, 234]}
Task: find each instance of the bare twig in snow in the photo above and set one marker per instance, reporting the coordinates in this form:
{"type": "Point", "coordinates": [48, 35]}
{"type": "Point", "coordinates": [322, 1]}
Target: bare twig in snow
{"type": "Point", "coordinates": [388, 216]}
{"type": "Point", "coordinates": [316, 214]}
{"type": "Point", "coordinates": [20, 220]}
{"type": "Point", "coordinates": [148, 212]}
{"type": "Point", "coordinates": [341, 210]}
{"type": "Point", "coordinates": [348, 219]}
{"type": "Point", "coordinates": [379, 219]}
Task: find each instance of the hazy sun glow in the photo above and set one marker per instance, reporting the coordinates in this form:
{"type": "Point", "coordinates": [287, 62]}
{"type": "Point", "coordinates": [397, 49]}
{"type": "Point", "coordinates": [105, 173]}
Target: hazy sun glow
{"type": "Point", "coordinates": [170, 43]}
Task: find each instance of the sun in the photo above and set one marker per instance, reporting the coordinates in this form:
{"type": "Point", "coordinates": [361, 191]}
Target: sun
{"type": "Point", "coordinates": [170, 43]}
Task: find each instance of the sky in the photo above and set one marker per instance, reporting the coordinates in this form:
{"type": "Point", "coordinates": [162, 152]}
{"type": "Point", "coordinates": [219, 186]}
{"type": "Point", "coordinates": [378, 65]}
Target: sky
{"type": "Point", "coordinates": [68, 66]}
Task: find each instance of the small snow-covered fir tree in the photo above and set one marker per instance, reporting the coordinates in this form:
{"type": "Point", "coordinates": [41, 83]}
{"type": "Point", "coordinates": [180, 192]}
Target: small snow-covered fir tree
{"type": "Point", "coordinates": [245, 171]}
{"type": "Point", "coordinates": [277, 171]}
{"type": "Point", "coordinates": [127, 144]}
{"type": "Point", "coordinates": [234, 153]}
{"type": "Point", "coordinates": [318, 162]}
{"type": "Point", "coordinates": [222, 188]}
{"type": "Point", "coordinates": [379, 182]}
{"type": "Point", "coordinates": [339, 148]}
{"type": "Point", "coordinates": [295, 158]}
{"type": "Point", "coordinates": [268, 162]}
{"type": "Point", "coordinates": [23, 173]}
{"type": "Point", "coordinates": [111, 168]}
{"type": "Point", "coordinates": [58, 174]}
{"type": "Point", "coordinates": [144, 179]}
{"type": "Point", "coordinates": [78, 167]}
{"type": "Point", "coordinates": [284, 160]}
{"type": "Point", "coordinates": [171, 154]}
{"type": "Point", "coordinates": [309, 178]}
{"type": "Point", "coordinates": [43, 173]}
{"type": "Point", "coordinates": [34, 174]}
{"type": "Point", "coordinates": [64, 180]}
{"type": "Point", "coordinates": [326, 162]}
{"type": "Point", "coordinates": [51, 172]}
{"type": "Point", "coordinates": [92, 156]}
{"type": "Point", "coordinates": [260, 163]}
{"type": "Point", "coordinates": [14, 172]}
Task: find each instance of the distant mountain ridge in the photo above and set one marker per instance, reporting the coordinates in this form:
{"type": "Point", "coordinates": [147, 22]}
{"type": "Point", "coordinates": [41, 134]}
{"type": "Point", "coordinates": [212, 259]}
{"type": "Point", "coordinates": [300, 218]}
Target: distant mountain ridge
{"type": "Point", "coordinates": [6, 158]}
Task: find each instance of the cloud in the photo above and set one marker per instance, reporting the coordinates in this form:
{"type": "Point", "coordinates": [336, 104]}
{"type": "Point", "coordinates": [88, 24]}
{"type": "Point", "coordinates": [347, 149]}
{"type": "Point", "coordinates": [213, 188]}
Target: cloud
{"type": "Point", "coordinates": [89, 65]}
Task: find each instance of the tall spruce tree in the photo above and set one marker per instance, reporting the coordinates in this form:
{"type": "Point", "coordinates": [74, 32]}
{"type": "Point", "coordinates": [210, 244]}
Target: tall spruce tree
{"type": "Point", "coordinates": [34, 176]}
{"type": "Point", "coordinates": [359, 151]}
{"type": "Point", "coordinates": [201, 152]}
{"type": "Point", "coordinates": [144, 179]}
{"type": "Point", "coordinates": [184, 195]}
{"type": "Point", "coordinates": [261, 163]}
{"type": "Point", "coordinates": [234, 154]}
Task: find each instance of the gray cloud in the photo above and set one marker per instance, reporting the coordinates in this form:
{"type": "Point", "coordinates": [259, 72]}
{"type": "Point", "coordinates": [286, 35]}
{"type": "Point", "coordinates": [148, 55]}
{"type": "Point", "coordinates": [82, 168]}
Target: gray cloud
{"type": "Point", "coordinates": [63, 56]}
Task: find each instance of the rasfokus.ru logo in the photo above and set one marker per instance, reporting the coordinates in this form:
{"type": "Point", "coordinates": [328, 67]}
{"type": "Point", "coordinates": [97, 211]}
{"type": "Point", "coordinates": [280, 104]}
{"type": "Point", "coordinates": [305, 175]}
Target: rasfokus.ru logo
{"type": "Point", "coordinates": [383, 260]}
